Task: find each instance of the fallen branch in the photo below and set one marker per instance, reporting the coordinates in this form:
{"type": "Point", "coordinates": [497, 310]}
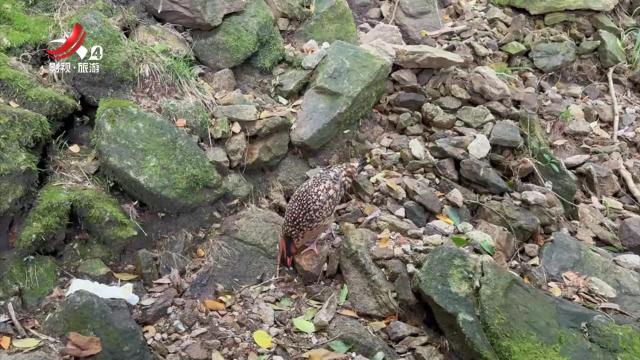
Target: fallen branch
{"type": "Point", "coordinates": [628, 179]}
{"type": "Point", "coordinates": [14, 319]}
{"type": "Point", "coordinates": [447, 30]}
{"type": "Point", "coordinates": [616, 112]}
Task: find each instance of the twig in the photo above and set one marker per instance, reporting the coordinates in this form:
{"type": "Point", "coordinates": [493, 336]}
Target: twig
{"type": "Point", "coordinates": [43, 336]}
{"type": "Point", "coordinates": [393, 14]}
{"type": "Point", "coordinates": [447, 30]}
{"type": "Point", "coordinates": [14, 319]}
{"type": "Point", "coordinates": [628, 179]}
{"type": "Point", "coordinates": [616, 112]}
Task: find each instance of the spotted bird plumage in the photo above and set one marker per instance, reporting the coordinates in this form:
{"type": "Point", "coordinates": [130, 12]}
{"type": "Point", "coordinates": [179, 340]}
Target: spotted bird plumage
{"type": "Point", "coordinates": [310, 210]}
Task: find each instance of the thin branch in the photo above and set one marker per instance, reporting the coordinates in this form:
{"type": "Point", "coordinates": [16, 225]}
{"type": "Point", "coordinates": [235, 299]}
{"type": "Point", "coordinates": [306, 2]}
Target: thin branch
{"type": "Point", "coordinates": [14, 319]}
{"type": "Point", "coordinates": [628, 179]}
{"type": "Point", "coordinates": [616, 112]}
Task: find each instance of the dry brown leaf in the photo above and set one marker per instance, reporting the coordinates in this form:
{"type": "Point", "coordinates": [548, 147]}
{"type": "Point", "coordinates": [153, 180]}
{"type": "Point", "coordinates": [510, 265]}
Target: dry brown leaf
{"type": "Point", "coordinates": [82, 346]}
{"type": "Point", "coordinates": [125, 276]}
{"type": "Point", "coordinates": [324, 354]}
{"type": "Point", "coordinates": [347, 312]}
{"type": "Point", "coordinates": [150, 329]}
{"type": "Point", "coordinates": [214, 305]}
{"type": "Point", "coordinates": [200, 253]}
{"type": "Point", "coordinates": [181, 123]}
{"type": "Point", "coordinates": [5, 342]}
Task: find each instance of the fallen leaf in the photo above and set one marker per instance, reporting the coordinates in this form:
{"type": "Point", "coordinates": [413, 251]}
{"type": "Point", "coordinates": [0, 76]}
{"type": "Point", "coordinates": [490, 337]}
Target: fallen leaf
{"type": "Point", "coordinates": [339, 346]}
{"type": "Point", "coordinates": [164, 280]}
{"type": "Point", "coordinates": [214, 305]}
{"type": "Point", "coordinates": [444, 218]}
{"type": "Point", "coordinates": [377, 325]}
{"type": "Point", "coordinates": [460, 240]}
{"type": "Point", "coordinates": [26, 343]}
{"type": "Point", "coordinates": [82, 346]}
{"type": "Point", "coordinates": [487, 247]}
{"type": "Point", "coordinates": [384, 238]}
{"type": "Point", "coordinates": [181, 123]}
{"type": "Point", "coordinates": [310, 313]}
{"type": "Point", "coordinates": [5, 342]}
{"type": "Point", "coordinates": [150, 329]}
{"type": "Point", "coordinates": [200, 253]}
{"type": "Point", "coordinates": [74, 148]}
{"type": "Point", "coordinates": [125, 276]}
{"type": "Point", "coordinates": [304, 325]}
{"type": "Point", "coordinates": [323, 354]}
{"type": "Point", "coordinates": [555, 291]}
{"type": "Point", "coordinates": [349, 313]}
{"type": "Point", "coordinates": [343, 294]}
{"type": "Point", "coordinates": [263, 339]}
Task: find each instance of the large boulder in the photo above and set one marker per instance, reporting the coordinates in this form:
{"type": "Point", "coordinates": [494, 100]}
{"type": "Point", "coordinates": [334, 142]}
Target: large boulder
{"type": "Point", "coordinates": [245, 252]}
{"type": "Point", "coordinates": [547, 6]}
{"type": "Point", "coordinates": [250, 34]}
{"type": "Point", "coordinates": [195, 14]}
{"type": "Point", "coordinates": [565, 253]}
{"type": "Point", "coordinates": [369, 288]}
{"type": "Point", "coordinates": [22, 134]}
{"type": "Point", "coordinates": [152, 160]}
{"type": "Point", "coordinates": [109, 320]}
{"type": "Point", "coordinates": [346, 85]}
{"type": "Point", "coordinates": [30, 278]}
{"type": "Point", "coordinates": [118, 73]}
{"type": "Point", "coordinates": [99, 214]}
{"type": "Point", "coordinates": [23, 89]}
{"type": "Point", "coordinates": [414, 17]}
{"type": "Point", "coordinates": [332, 20]}
{"type": "Point", "coordinates": [487, 312]}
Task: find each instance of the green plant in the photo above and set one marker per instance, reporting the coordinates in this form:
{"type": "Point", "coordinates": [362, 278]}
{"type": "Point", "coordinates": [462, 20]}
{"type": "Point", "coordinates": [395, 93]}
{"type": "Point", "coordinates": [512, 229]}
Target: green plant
{"type": "Point", "coordinates": [551, 162]}
{"type": "Point", "coordinates": [630, 41]}
{"type": "Point", "coordinates": [566, 115]}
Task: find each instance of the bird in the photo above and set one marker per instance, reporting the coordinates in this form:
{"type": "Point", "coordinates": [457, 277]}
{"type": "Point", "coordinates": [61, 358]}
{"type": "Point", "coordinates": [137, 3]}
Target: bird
{"type": "Point", "coordinates": [309, 212]}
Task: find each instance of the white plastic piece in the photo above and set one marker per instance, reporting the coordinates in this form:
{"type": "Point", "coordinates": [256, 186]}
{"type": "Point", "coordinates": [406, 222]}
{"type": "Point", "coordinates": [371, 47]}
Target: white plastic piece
{"type": "Point", "coordinates": [124, 292]}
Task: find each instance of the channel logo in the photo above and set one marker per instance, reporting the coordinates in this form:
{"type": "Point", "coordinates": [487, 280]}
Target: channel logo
{"type": "Point", "coordinates": [73, 44]}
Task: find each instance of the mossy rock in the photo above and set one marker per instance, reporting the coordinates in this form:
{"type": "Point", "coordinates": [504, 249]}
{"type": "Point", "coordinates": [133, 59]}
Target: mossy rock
{"type": "Point", "coordinates": [331, 21]}
{"type": "Point", "coordinates": [152, 159]}
{"type": "Point", "coordinates": [111, 321]}
{"type": "Point", "coordinates": [22, 88]}
{"type": "Point", "coordinates": [118, 70]}
{"type": "Point", "coordinates": [97, 212]}
{"type": "Point", "coordinates": [32, 278]}
{"type": "Point", "coordinates": [22, 134]}
{"type": "Point", "coordinates": [611, 52]}
{"type": "Point", "coordinates": [94, 269]}
{"type": "Point", "coordinates": [21, 28]}
{"type": "Point", "coordinates": [563, 181]}
{"type": "Point", "coordinates": [248, 34]}
{"type": "Point", "coordinates": [547, 6]}
{"type": "Point", "coordinates": [193, 112]}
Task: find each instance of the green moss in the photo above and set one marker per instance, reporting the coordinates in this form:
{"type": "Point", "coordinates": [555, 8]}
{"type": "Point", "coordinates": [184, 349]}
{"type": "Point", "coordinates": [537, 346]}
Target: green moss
{"type": "Point", "coordinates": [523, 347]}
{"type": "Point", "coordinates": [28, 93]}
{"type": "Point", "coordinates": [32, 278]}
{"type": "Point", "coordinates": [622, 340]}
{"type": "Point", "coordinates": [99, 213]}
{"type": "Point", "coordinates": [271, 51]}
{"type": "Point", "coordinates": [19, 28]}
{"type": "Point", "coordinates": [333, 20]}
{"type": "Point", "coordinates": [193, 112]}
{"type": "Point", "coordinates": [93, 268]}
{"type": "Point", "coordinates": [75, 253]}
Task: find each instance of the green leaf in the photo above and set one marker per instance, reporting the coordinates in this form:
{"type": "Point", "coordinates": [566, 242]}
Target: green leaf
{"type": "Point", "coordinates": [452, 214]}
{"type": "Point", "coordinates": [554, 167]}
{"type": "Point", "coordinates": [263, 339]}
{"type": "Point", "coordinates": [378, 356]}
{"type": "Point", "coordinates": [304, 325]}
{"type": "Point", "coordinates": [339, 346]}
{"type": "Point", "coordinates": [487, 247]}
{"type": "Point", "coordinates": [460, 240]}
{"type": "Point", "coordinates": [26, 343]}
{"type": "Point", "coordinates": [284, 304]}
{"type": "Point", "coordinates": [310, 313]}
{"type": "Point", "coordinates": [343, 294]}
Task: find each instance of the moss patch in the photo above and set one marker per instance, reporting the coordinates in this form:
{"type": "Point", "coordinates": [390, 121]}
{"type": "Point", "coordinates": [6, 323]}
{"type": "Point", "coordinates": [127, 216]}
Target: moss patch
{"type": "Point", "coordinates": [22, 88]}
{"type": "Point", "coordinates": [21, 134]}
{"type": "Point", "coordinates": [99, 213]}
{"type": "Point", "coordinates": [32, 278]}
{"type": "Point", "coordinates": [19, 28]}
{"type": "Point", "coordinates": [193, 112]}
{"type": "Point", "coordinates": [332, 20]}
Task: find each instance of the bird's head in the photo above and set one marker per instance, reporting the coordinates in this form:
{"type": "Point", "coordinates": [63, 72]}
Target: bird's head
{"type": "Point", "coordinates": [287, 250]}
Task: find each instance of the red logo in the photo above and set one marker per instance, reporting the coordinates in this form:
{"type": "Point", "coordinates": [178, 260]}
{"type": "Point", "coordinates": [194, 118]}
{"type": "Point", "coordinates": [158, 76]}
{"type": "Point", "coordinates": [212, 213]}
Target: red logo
{"type": "Point", "coordinates": [71, 44]}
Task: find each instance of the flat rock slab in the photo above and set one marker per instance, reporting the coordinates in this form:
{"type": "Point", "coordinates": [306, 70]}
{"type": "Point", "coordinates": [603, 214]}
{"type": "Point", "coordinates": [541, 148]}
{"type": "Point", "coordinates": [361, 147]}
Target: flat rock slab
{"type": "Point", "coordinates": [244, 254]}
{"type": "Point", "coordinates": [547, 6]}
{"type": "Point", "coordinates": [347, 84]}
{"type": "Point", "coordinates": [196, 14]}
{"type": "Point", "coordinates": [152, 160]}
{"type": "Point", "coordinates": [425, 57]}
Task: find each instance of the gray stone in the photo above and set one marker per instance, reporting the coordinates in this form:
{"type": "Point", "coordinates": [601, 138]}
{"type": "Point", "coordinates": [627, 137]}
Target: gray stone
{"type": "Point", "coordinates": [449, 103]}
{"type": "Point", "coordinates": [522, 222]}
{"type": "Point", "coordinates": [362, 341]}
{"type": "Point", "coordinates": [414, 17]}
{"type": "Point", "coordinates": [610, 50]}
{"type": "Point", "coordinates": [424, 57]}
{"type": "Point", "coordinates": [196, 14]}
{"type": "Point", "coordinates": [398, 330]}
{"type": "Point", "coordinates": [90, 315]}
{"type": "Point", "coordinates": [629, 234]}
{"type": "Point", "coordinates": [292, 82]}
{"type": "Point", "coordinates": [311, 61]}
{"type": "Point", "coordinates": [223, 80]}
{"type": "Point", "coordinates": [588, 46]}
{"type": "Point", "coordinates": [152, 159]}
{"type": "Point", "coordinates": [416, 213]}
{"type": "Point", "coordinates": [479, 147]}
{"type": "Point", "coordinates": [248, 255]}
{"type": "Point", "coordinates": [486, 83]}
{"type": "Point", "coordinates": [239, 112]}
{"type": "Point", "coordinates": [152, 35]}
{"type": "Point", "coordinates": [506, 133]}
{"type": "Point", "coordinates": [628, 261]}
{"type": "Point", "coordinates": [534, 198]}
{"type": "Point", "coordinates": [578, 128]}
{"type": "Point", "coordinates": [35, 355]}
{"type": "Point", "coordinates": [552, 56]}
{"type": "Point", "coordinates": [346, 85]}
{"type": "Point", "coordinates": [267, 151]}
{"type": "Point", "coordinates": [368, 287]}
{"type": "Point", "coordinates": [236, 148]}
{"type": "Point", "coordinates": [405, 77]}
{"type": "Point", "coordinates": [514, 48]}
{"type": "Point", "coordinates": [549, 6]}
{"type": "Point", "coordinates": [474, 116]}
{"type": "Point", "coordinates": [409, 100]}
{"type": "Point", "coordinates": [389, 34]}
{"type": "Point", "coordinates": [421, 192]}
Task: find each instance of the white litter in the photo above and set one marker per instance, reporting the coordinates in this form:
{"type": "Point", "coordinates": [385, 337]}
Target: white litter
{"type": "Point", "coordinates": [124, 292]}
